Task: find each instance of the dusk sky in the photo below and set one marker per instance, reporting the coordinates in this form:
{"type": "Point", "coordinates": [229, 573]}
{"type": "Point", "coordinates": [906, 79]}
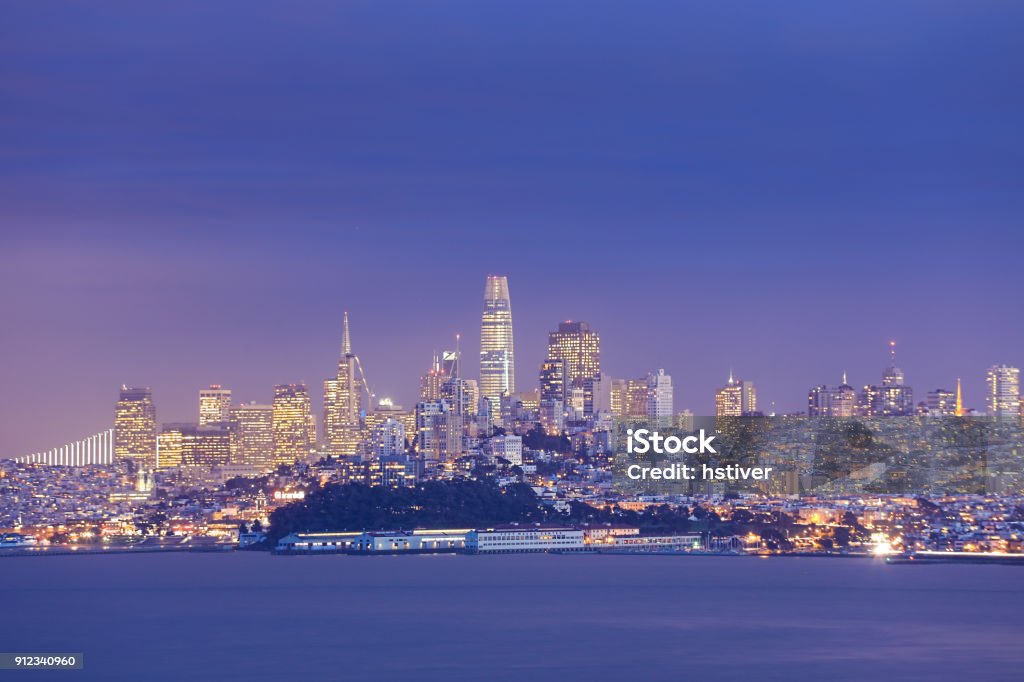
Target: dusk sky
{"type": "Point", "coordinates": [195, 192]}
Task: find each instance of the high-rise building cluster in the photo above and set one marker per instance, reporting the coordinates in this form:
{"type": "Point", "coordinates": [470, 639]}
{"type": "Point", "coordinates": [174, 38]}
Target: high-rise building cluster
{"type": "Point", "coordinates": [456, 416]}
{"type": "Point", "coordinates": [578, 348]}
{"type": "Point", "coordinates": [832, 401]}
{"type": "Point", "coordinates": [894, 398]}
{"type": "Point", "coordinates": [738, 398]}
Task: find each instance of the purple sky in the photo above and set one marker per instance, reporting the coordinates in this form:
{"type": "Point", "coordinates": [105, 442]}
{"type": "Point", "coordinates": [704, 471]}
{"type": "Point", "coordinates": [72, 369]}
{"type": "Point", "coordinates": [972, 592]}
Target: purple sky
{"type": "Point", "coordinates": [194, 193]}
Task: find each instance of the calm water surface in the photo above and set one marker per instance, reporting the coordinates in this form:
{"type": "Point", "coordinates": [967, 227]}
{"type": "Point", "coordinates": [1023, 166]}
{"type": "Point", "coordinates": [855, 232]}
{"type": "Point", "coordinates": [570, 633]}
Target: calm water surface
{"type": "Point", "coordinates": [252, 616]}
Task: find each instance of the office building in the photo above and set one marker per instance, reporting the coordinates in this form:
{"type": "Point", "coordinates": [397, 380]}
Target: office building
{"type": "Point", "coordinates": [736, 399]}
{"type": "Point", "coordinates": [941, 403]}
{"type": "Point", "coordinates": [389, 438]}
{"type": "Point", "coordinates": [252, 435]}
{"type": "Point", "coordinates": [602, 404]}
{"type": "Point", "coordinates": [659, 399]}
{"type": "Point", "coordinates": [214, 405]}
{"type": "Point", "coordinates": [442, 368]}
{"type": "Point", "coordinates": [439, 432]}
{"type": "Point", "coordinates": [497, 350]}
{"type": "Point", "coordinates": [509, 448]}
{"type": "Point", "coordinates": [206, 446]}
{"type": "Point", "coordinates": [1002, 392]}
{"type": "Point", "coordinates": [387, 409]}
{"type": "Point", "coordinates": [552, 396]}
{"type": "Point", "coordinates": [619, 397]}
{"type": "Point", "coordinates": [832, 401]}
{"type": "Point", "coordinates": [135, 426]}
{"type": "Point", "coordinates": [344, 403]}
{"type": "Point", "coordinates": [290, 423]}
{"type": "Point", "coordinates": [552, 380]}
{"type": "Point", "coordinates": [194, 445]}
{"type": "Point", "coordinates": [579, 348]}
{"type": "Point", "coordinates": [636, 400]}
{"type": "Point", "coordinates": [893, 398]}
{"type": "Point", "coordinates": [169, 446]}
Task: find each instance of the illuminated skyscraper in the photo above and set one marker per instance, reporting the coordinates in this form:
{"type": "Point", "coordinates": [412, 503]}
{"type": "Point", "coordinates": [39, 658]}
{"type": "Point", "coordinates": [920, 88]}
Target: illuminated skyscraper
{"type": "Point", "coordinates": [169, 444]}
{"type": "Point", "coordinates": [893, 398]}
{"type": "Point", "coordinates": [619, 397]}
{"type": "Point", "coordinates": [579, 348]}
{"type": "Point", "coordinates": [636, 400]}
{"type": "Point", "coordinates": [552, 380]}
{"type": "Point", "coordinates": [729, 400]}
{"type": "Point", "coordinates": [551, 397]}
{"type": "Point", "coordinates": [205, 446]}
{"type": "Point", "coordinates": [439, 431]}
{"type": "Point", "coordinates": [135, 426]}
{"type": "Point", "coordinates": [603, 396]}
{"type": "Point", "coordinates": [1002, 392]}
{"type": "Point", "coordinates": [941, 403]}
{"type": "Point", "coordinates": [736, 399]}
{"type": "Point", "coordinates": [826, 401]}
{"type": "Point", "coordinates": [386, 410]}
{"type": "Point", "coordinates": [214, 405]}
{"type": "Point", "coordinates": [471, 396]}
{"type": "Point", "coordinates": [844, 400]}
{"type": "Point", "coordinates": [331, 415]}
{"type": "Point", "coordinates": [192, 445]}
{"type": "Point", "coordinates": [457, 391]}
{"type": "Point", "coordinates": [252, 435]}
{"type": "Point", "coordinates": [344, 406]}
{"type": "Point", "coordinates": [389, 438]}
{"type": "Point", "coordinates": [497, 354]}
{"type": "Point", "coordinates": [290, 423]}
{"type": "Point", "coordinates": [659, 399]}
{"type": "Point", "coordinates": [443, 367]}
{"type": "Point", "coordinates": [431, 382]}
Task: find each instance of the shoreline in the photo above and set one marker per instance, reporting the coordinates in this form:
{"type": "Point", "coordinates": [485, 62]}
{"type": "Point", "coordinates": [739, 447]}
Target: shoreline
{"type": "Point", "coordinates": [892, 560]}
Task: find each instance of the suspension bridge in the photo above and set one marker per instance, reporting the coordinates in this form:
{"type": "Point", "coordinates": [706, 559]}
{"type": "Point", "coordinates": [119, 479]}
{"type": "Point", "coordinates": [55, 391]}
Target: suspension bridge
{"type": "Point", "coordinates": [95, 449]}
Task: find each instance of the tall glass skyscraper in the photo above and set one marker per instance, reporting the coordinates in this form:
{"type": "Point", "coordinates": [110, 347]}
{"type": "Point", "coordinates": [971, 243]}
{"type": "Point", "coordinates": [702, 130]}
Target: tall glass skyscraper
{"type": "Point", "coordinates": [659, 399]}
{"type": "Point", "coordinates": [579, 348]}
{"type": "Point", "coordinates": [497, 356]}
{"type": "Point", "coordinates": [290, 421]}
{"type": "Point", "coordinates": [252, 435]}
{"type": "Point", "coordinates": [736, 399]}
{"type": "Point", "coordinates": [214, 405]}
{"type": "Point", "coordinates": [343, 401]}
{"type": "Point", "coordinates": [1002, 398]}
{"type": "Point", "coordinates": [135, 426]}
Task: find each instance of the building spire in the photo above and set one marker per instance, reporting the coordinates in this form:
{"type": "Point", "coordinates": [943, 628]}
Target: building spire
{"type": "Point", "coordinates": [959, 399]}
{"type": "Point", "coordinates": [844, 378]}
{"type": "Point", "coordinates": [458, 356]}
{"type": "Point", "coordinates": [346, 340]}
{"type": "Point", "coordinates": [731, 380]}
{"type": "Point", "coordinates": [892, 352]}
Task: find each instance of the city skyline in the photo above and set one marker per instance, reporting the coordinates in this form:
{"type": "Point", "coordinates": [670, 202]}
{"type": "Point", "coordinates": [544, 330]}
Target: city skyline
{"type": "Point", "coordinates": [172, 236]}
{"type": "Point", "coordinates": [348, 321]}
{"type": "Point", "coordinates": [215, 401]}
